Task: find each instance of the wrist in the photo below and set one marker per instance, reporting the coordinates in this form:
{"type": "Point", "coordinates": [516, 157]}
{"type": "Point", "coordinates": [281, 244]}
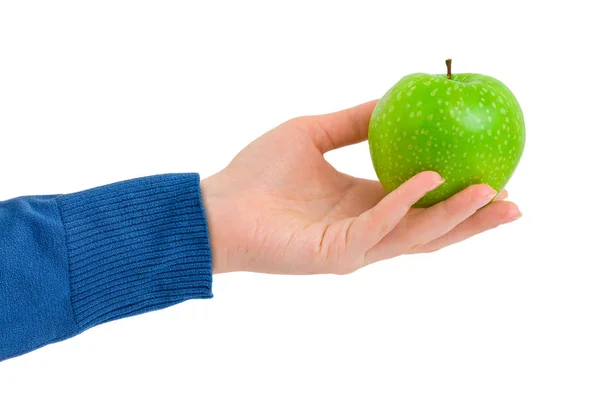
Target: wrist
{"type": "Point", "coordinates": [213, 200]}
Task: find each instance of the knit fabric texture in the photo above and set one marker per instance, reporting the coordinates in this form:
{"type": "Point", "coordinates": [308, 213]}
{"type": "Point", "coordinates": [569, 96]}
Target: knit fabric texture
{"type": "Point", "coordinates": [70, 262]}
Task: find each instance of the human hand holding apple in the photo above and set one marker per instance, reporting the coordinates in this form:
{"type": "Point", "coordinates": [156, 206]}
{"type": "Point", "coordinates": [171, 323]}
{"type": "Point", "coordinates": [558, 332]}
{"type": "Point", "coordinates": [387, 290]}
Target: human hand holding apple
{"type": "Point", "coordinates": [280, 207]}
{"type": "Point", "coordinates": [468, 127]}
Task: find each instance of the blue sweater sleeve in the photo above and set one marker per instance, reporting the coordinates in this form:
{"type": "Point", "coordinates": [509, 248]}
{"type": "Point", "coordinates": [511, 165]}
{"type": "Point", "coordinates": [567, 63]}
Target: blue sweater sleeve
{"type": "Point", "coordinates": [70, 262]}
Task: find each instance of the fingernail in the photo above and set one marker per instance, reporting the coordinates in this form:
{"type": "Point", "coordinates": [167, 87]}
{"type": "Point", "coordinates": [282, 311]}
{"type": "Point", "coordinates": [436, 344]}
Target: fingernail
{"type": "Point", "coordinates": [436, 184]}
{"type": "Point", "coordinates": [513, 218]}
{"type": "Point", "coordinates": [491, 194]}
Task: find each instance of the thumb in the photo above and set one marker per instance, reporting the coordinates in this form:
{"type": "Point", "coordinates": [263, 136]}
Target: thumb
{"type": "Point", "coordinates": [345, 127]}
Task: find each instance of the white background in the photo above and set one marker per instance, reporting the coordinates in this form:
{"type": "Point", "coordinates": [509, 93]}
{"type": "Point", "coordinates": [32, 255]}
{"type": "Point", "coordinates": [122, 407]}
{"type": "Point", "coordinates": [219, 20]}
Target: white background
{"type": "Point", "coordinates": [506, 324]}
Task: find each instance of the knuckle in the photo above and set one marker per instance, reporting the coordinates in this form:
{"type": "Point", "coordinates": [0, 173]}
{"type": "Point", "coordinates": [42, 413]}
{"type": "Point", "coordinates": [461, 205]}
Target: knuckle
{"type": "Point", "coordinates": [372, 221]}
{"type": "Point", "coordinates": [462, 200]}
{"type": "Point", "coordinates": [415, 247]}
{"type": "Point", "coordinates": [384, 229]}
{"type": "Point", "coordinates": [297, 122]}
{"type": "Point", "coordinates": [345, 269]}
{"type": "Point", "coordinates": [470, 194]}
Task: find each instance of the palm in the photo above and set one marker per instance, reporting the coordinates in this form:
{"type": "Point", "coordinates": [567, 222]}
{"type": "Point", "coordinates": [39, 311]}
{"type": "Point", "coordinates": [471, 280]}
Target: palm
{"type": "Point", "coordinates": [307, 197]}
{"type": "Point", "coordinates": [289, 211]}
{"type": "Point", "coordinates": [296, 174]}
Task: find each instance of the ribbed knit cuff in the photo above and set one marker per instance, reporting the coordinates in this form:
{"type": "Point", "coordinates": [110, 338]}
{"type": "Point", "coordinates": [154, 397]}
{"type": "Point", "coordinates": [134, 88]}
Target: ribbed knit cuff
{"type": "Point", "coordinates": [136, 246]}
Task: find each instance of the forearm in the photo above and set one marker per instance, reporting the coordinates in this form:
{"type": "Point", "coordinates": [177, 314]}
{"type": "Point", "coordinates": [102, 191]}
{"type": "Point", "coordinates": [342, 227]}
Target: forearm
{"type": "Point", "coordinates": [70, 262]}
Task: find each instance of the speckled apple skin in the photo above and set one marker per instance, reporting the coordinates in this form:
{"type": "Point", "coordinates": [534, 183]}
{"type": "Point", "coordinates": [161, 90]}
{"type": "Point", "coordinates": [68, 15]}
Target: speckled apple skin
{"type": "Point", "coordinates": [470, 129]}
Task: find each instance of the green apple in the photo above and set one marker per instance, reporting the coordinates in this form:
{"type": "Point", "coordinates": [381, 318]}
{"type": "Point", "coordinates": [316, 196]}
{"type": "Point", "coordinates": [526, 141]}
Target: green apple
{"type": "Point", "coordinates": [467, 127]}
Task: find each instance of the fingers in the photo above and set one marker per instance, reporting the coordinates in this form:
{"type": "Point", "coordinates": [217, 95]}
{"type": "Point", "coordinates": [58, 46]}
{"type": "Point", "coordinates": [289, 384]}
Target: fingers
{"type": "Point", "coordinates": [431, 223]}
{"type": "Point", "coordinates": [502, 195]}
{"type": "Point", "coordinates": [487, 218]}
{"type": "Point", "coordinates": [374, 224]}
{"type": "Point", "coordinates": [338, 129]}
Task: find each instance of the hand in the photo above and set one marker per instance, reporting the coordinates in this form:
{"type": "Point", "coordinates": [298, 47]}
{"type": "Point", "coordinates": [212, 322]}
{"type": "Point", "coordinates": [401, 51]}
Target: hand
{"type": "Point", "coordinates": [280, 207]}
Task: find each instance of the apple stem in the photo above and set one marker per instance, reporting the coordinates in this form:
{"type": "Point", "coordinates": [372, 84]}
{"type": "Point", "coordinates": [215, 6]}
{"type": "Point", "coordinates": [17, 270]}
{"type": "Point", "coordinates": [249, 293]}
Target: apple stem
{"type": "Point", "coordinates": [449, 67]}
